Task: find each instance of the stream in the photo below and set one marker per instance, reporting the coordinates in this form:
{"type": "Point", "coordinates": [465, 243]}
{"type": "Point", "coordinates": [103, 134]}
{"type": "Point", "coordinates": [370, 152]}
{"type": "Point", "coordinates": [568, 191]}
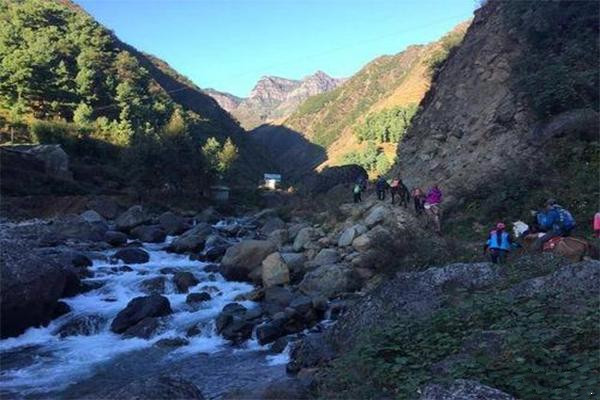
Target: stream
{"type": "Point", "coordinates": [42, 364]}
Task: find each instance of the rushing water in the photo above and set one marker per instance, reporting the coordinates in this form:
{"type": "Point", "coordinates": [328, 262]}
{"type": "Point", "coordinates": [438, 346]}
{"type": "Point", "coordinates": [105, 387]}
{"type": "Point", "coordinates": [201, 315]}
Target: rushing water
{"type": "Point", "coordinates": [41, 364]}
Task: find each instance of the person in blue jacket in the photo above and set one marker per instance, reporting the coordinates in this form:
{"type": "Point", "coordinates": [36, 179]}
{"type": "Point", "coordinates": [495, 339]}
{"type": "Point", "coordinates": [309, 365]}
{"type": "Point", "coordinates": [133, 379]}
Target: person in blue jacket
{"type": "Point", "coordinates": [555, 221]}
{"type": "Point", "coordinates": [498, 243]}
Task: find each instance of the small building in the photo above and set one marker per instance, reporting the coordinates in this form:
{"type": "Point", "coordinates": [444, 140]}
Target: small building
{"type": "Point", "coordinates": [219, 193]}
{"type": "Point", "coordinates": [272, 181]}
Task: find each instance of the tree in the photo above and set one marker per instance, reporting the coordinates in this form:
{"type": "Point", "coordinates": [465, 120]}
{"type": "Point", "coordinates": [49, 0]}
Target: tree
{"type": "Point", "coordinates": [227, 156]}
{"type": "Point", "coordinates": [219, 157]}
{"type": "Point", "coordinates": [82, 115]}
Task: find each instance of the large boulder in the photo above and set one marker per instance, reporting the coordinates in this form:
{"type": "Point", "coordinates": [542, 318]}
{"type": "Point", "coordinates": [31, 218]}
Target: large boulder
{"type": "Point", "coordinates": [279, 237]}
{"type": "Point", "coordinates": [329, 281]}
{"type": "Point", "coordinates": [244, 258]}
{"type": "Point", "coordinates": [31, 286]}
{"type": "Point", "coordinates": [131, 218]}
{"type": "Point", "coordinates": [154, 285]}
{"type": "Point", "coordinates": [162, 387]}
{"type": "Point", "coordinates": [132, 255]}
{"type": "Point", "coordinates": [149, 233]}
{"type": "Point", "coordinates": [274, 271]}
{"type": "Point", "coordinates": [324, 257]}
{"type": "Point", "coordinates": [377, 215]}
{"type": "Point", "coordinates": [305, 235]}
{"type": "Point", "coordinates": [92, 216]}
{"type": "Point", "coordinates": [462, 389]}
{"type": "Point", "coordinates": [138, 309]}
{"type": "Point", "coordinates": [172, 223]}
{"type": "Point", "coordinates": [276, 299]}
{"type": "Point", "coordinates": [272, 224]}
{"type": "Point", "coordinates": [75, 227]}
{"type": "Point", "coordinates": [234, 324]}
{"type": "Point", "coordinates": [115, 238]}
{"type": "Point", "coordinates": [349, 234]}
{"type": "Point", "coordinates": [104, 206]}
{"type": "Point", "coordinates": [144, 329]}
{"type": "Point", "coordinates": [192, 239]}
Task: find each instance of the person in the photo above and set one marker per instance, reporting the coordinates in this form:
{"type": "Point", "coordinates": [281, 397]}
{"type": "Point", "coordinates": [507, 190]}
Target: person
{"type": "Point", "coordinates": [432, 206]}
{"type": "Point", "coordinates": [597, 225]}
{"type": "Point", "coordinates": [419, 200]}
{"type": "Point", "coordinates": [381, 186]}
{"type": "Point", "coordinates": [556, 221]}
{"type": "Point", "coordinates": [356, 191]}
{"type": "Point", "coordinates": [398, 188]}
{"type": "Point", "coordinates": [498, 243]}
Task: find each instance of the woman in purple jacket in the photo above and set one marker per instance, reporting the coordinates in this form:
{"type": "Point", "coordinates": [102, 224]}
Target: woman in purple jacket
{"type": "Point", "coordinates": [432, 206]}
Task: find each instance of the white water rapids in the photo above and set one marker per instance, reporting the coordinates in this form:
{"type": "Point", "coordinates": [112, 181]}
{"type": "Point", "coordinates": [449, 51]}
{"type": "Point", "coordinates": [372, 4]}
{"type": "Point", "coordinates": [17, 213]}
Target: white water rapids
{"type": "Point", "coordinates": [41, 364]}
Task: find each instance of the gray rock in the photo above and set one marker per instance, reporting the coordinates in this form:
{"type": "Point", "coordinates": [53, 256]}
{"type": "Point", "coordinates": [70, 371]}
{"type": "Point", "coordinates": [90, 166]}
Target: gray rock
{"type": "Point", "coordinates": [329, 281]}
{"type": "Point", "coordinates": [92, 216]}
{"type": "Point", "coordinates": [245, 258]}
{"type": "Point", "coordinates": [310, 352]}
{"type": "Point", "coordinates": [163, 387]}
{"type": "Point", "coordinates": [171, 223]}
{"type": "Point", "coordinates": [279, 237]}
{"type": "Point", "coordinates": [115, 238]}
{"type": "Point", "coordinates": [462, 389]}
{"type": "Point", "coordinates": [303, 238]}
{"type": "Point", "coordinates": [131, 218]}
{"type": "Point", "coordinates": [154, 285]}
{"type": "Point", "coordinates": [269, 332]}
{"type": "Point", "coordinates": [324, 257]}
{"type": "Point", "coordinates": [274, 271]}
{"type": "Point", "coordinates": [149, 233]}
{"type": "Point", "coordinates": [349, 234]}
{"type": "Point", "coordinates": [138, 309]}
{"type": "Point", "coordinates": [75, 227]}
{"type": "Point", "coordinates": [132, 255]}
{"type": "Point", "coordinates": [184, 280]}
{"type": "Point", "coordinates": [272, 224]}
{"type": "Point", "coordinates": [192, 240]}
{"type": "Point", "coordinates": [144, 329]}
{"type": "Point", "coordinates": [376, 215]}
{"type": "Point", "coordinates": [172, 342]}
{"type": "Point", "coordinates": [85, 325]}
{"type": "Point", "coordinates": [195, 298]}
{"type": "Point", "coordinates": [104, 206]}
{"type": "Point", "coordinates": [276, 299]}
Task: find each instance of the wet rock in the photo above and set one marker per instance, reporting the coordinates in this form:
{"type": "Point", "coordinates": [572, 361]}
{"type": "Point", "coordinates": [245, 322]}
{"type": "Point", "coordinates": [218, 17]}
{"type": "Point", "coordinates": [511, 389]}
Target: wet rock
{"type": "Point", "coordinates": [269, 332]}
{"type": "Point", "coordinates": [329, 281]}
{"type": "Point", "coordinates": [274, 271]}
{"type": "Point", "coordinates": [61, 309]}
{"type": "Point", "coordinates": [172, 342]}
{"type": "Point", "coordinates": [115, 238]}
{"type": "Point", "coordinates": [238, 330]}
{"type": "Point", "coordinates": [184, 280]}
{"type": "Point", "coordinates": [313, 350]}
{"type": "Point", "coordinates": [89, 286]}
{"type": "Point", "coordinates": [168, 270]}
{"type": "Point", "coordinates": [144, 329]}
{"type": "Point", "coordinates": [279, 345]}
{"type": "Point", "coordinates": [154, 285]}
{"type": "Point", "coordinates": [211, 268]}
{"type": "Point", "coordinates": [85, 325]}
{"type": "Point", "coordinates": [272, 224]}
{"type": "Point", "coordinates": [277, 298]}
{"type": "Point", "coordinates": [132, 255]}
{"type": "Point", "coordinates": [131, 218]}
{"type": "Point", "coordinates": [254, 295]}
{"type": "Point", "coordinates": [149, 233]}
{"type": "Point", "coordinates": [192, 239]}
{"type": "Point", "coordinates": [195, 298]}
{"type": "Point", "coordinates": [171, 223]}
{"type": "Point", "coordinates": [138, 309]}
{"type": "Point", "coordinates": [92, 216]}
{"type": "Point", "coordinates": [81, 261]}
{"type": "Point", "coordinates": [305, 235]}
{"type": "Point", "coordinates": [302, 304]}
{"type": "Point", "coordinates": [163, 387]}
{"type": "Point", "coordinates": [245, 257]}
{"type": "Point", "coordinates": [462, 389]}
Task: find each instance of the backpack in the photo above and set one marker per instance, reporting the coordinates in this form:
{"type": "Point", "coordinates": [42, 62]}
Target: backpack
{"type": "Point", "coordinates": [357, 188]}
{"type": "Point", "coordinates": [566, 219]}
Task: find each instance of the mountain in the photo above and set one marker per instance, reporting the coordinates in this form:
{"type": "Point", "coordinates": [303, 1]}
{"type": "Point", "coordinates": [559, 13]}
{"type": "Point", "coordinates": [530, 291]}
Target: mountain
{"type": "Point", "coordinates": [66, 79]}
{"type": "Point", "coordinates": [502, 129]}
{"type": "Point", "coordinates": [273, 98]}
{"type": "Point", "coordinates": [389, 85]}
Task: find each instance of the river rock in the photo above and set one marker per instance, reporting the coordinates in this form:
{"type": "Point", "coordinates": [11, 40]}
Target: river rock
{"type": "Point", "coordinates": [195, 298]}
{"type": "Point", "coordinates": [172, 342]}
{"type": "Point", "coordinates": [305, 235]}
{"type": "Point", "coordinates": [349, 234]}
{"type": "Point", "coordinates": [92, 216]}
{"type": "Point", "coordinates": [74, 227]}
{"type": "Point", "coordinates": [329, 281]}
{"type": "Point", "coordinates": [132, 255]}
{"type": "Point", "coordinates": [192, 239]}
{"type": "Point", "coordinates": [184, 280]}
{"type": "Point", "coordinates": [163, 387]}
{"type": "Point", "coordinates": [232, 324]}
{"type": "Point", "coordinates": [131, 218]}
{"type": "Point", "coordinates": [243, 258]}
{"type": "Point", "coordinates": [115, 238]}
{"type": "Point", "coordinates": [274, 271]}
{"type": "Point", "coordinates": [149, 233]}
{"type": "Point", "coordinates": [85, 325]}
{"type": "Point", "coordinates": [31, 287]}
{"type": "Point", "coordinates": [172, 223]}
{"type": "Point", "coordinates": [376, 215]}
{"type": "Point", "coordinates": [105, 206]}
{"type": "Point", "coordinates": [154, 285]}
{"type": "Point", "coordinates": [324, 257]}
{"type": "Point", "coordinates": [462, 389]}
{"type": "Point", "coordinates": [138, 309]}
{"type": "Point", "coordinates": [269, 332]}
{"type": "Point", "coordinates": [279, 237]}
{"type": "Point", "coordinates": [272, 224]}
{"type": "Point", "coordinates": [302, 304]}
{"type": "Point", "coordinates": [311, 351]}
{"type": "Point", "coordinates": [144, 329]}
{"type": "Point", "coordinates": [276, 299]}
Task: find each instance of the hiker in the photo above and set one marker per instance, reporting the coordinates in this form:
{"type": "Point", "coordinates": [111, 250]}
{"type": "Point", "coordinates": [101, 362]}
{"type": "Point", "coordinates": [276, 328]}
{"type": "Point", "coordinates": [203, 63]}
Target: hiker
{"type": "Point", "coordinates": [498, 243]}
{"type": "Point", "coordinates": [398, 188]}
{"type": "Point", "coordinates": [555, 221]}
{"type": "Point", "coordinates": [419, 200]}
{"type": "Point", "coordinates": [597, 225]}
{"type": "Point", "coordinates": [381, 186]}
{"type": "Point", "coordinates": [356, 191]}
{"type": "Point", "coordinates": [432, 206]}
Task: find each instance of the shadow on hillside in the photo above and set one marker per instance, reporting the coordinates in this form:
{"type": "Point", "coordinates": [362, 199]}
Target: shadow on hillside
{"type": "Point", "coordinates": [292, 153]}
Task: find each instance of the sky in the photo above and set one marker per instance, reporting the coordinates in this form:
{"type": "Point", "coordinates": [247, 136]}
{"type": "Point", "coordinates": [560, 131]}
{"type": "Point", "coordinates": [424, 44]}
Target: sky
{"type": "Point", "coordinates": [229, 44]}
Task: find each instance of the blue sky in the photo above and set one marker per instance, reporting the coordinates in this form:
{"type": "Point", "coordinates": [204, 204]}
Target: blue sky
{"type": "Point", "coordinates": [229, 44]}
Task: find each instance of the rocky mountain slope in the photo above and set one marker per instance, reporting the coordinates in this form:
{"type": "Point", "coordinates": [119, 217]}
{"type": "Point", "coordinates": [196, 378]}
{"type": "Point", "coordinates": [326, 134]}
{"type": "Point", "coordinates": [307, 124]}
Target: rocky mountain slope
{"type": "Point", "coordinates": [329, 120]}
{"type": "Point", "coordinates": [501, 129]}
{"type": "Point", "coordinates": [273, 98]}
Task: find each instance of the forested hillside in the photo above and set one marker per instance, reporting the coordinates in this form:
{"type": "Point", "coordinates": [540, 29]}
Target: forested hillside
{"type": "Point", "coordinates": [66, 79]}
